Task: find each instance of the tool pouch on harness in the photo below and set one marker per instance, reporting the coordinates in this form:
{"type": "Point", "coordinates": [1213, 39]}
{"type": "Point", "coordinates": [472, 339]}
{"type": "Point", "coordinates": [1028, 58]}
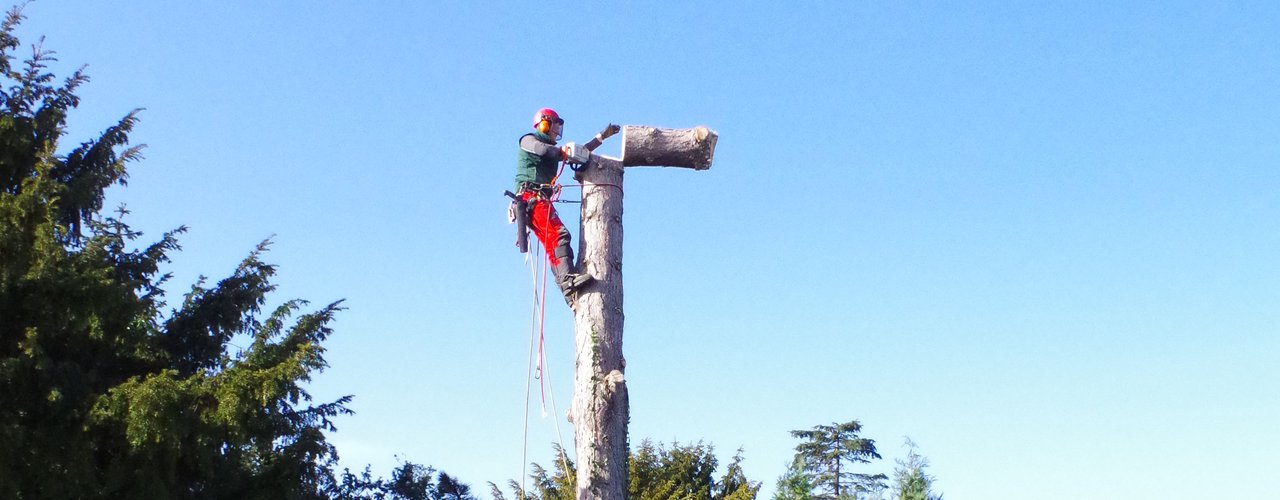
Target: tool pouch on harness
{"type": "Point", "coordinates": [518, 213]}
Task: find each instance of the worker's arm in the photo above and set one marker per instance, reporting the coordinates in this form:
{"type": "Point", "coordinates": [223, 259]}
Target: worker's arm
{"type": "Point", "coordinates": [533, 145]}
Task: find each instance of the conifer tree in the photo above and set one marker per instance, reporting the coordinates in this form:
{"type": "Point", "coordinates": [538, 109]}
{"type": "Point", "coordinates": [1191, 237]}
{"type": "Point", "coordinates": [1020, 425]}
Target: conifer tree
{"type": "Point", "coordinates": [910, 481]}
{"type": "Point", "coordinates": [734, 485]}
{"type": "Point", "coordinates": [656, 472]}
{"type": "Point", "coordinates": [829, 451]}
{"type": "Point", "coordinates": [104, 393]}
{"type": "Point", "coordinates": [557, 484]}
{"type": "Point", "coordinates": [685, 472]}
{"type": "Point", "coordinates": [795, 483]}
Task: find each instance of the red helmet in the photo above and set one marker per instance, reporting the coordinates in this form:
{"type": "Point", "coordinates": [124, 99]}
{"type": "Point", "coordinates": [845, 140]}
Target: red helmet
{"type": "Point", "coordinates": [547, 121]}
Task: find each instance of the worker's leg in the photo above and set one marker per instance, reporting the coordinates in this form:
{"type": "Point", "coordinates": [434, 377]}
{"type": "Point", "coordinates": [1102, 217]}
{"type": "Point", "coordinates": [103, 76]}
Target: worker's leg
{"type": "Point", "coordinates": [546, 226]}
{"type": "Point", "coordinates": [556, 240]}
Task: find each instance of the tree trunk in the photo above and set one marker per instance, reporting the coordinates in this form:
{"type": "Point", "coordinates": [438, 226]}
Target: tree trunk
{"type": "Point", "coordinates": [600, 411]}
{"type": "Point", "coordinates": [600, 408]}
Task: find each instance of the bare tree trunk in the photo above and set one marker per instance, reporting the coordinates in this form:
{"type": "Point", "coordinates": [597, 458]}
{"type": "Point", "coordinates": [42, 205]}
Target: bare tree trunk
{"type": "Point", "coordinates": [600, 411]}
{"type": "Point", "coordinates": [600, 408]}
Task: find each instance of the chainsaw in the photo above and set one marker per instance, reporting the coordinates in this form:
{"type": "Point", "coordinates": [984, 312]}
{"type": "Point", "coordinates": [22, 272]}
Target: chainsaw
{"type": "Point", "coordinates": [581, 154]}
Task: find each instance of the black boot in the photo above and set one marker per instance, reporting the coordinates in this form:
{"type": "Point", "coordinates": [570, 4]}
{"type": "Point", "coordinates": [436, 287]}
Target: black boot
{"type": "Point", "coordinates": [568, 279]}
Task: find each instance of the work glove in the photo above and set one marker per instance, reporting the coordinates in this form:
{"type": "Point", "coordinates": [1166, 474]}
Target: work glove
{"type": "Point", "coordinates": [609, 131]}
{"type": "Point", "coordinates": [564, 152]}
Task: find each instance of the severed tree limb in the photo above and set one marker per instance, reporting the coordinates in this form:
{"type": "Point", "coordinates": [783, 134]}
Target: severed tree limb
{"type": "Point", "coordinates": [665, 147]}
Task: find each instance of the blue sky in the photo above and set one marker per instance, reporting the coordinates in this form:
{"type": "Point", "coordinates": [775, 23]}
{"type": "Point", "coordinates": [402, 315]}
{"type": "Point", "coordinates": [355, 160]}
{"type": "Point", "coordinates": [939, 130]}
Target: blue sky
{"type": "Point", "coordinates": [1039, 238]}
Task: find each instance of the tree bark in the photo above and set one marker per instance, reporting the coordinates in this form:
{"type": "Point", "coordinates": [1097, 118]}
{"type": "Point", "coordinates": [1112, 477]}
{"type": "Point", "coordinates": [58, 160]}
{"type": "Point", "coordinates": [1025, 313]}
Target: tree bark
{"type": "Point", "coordinates": [664, 147]}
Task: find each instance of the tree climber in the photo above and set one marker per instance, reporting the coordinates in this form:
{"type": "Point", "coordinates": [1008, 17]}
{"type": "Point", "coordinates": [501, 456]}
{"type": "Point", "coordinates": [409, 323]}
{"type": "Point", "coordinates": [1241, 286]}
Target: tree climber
{"type": "Point", "coordinates": [536, 184]}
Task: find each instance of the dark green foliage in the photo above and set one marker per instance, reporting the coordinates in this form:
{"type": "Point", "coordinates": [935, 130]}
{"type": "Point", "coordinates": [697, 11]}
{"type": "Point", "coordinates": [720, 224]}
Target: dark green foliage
{"type": "Point", "coordinates": [105, 395]}
{"type": "Point", "coordinates": [685, 472]}
{"type": "Point", "coordinates": [828, 453]}
{"type": "Point", "coordinates": [656, 473]}
{"type": "Point", "coordinates": [682, 472]}
{"type": "Point", "coordinates": [76, 315]}
{"type": "Point", "coordinates": [558, 484]}
{"type": "Point", "coordinates": [408, 482]}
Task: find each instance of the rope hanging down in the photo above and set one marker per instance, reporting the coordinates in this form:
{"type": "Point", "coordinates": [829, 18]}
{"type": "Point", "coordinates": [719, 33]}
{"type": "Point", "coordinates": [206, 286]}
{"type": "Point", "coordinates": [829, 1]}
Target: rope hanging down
{"type": "Point", "coordinates": [539, 370]}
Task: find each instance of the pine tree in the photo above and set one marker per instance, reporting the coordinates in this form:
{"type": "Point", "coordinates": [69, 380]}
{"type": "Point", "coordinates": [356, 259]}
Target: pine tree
{"type": "Point", "coordinates": [107, 395]}
{"type": "Point", "coordinates": [829, 451]}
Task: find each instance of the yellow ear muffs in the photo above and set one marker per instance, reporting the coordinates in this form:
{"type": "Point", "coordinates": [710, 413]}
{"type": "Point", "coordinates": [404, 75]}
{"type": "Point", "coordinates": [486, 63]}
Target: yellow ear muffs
{"type": "Point", "coordinates": [543, 126]}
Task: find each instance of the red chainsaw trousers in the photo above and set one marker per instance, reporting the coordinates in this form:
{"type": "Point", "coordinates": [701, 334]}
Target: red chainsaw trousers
{"type": "Point", "coordinates": [546, 224]}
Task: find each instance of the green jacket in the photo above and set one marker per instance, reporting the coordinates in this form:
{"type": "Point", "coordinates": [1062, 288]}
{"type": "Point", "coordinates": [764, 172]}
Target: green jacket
{"type": "Point", "coordinates": [537, 159]}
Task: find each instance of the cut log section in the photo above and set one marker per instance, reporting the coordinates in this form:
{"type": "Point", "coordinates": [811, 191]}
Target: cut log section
{"type": "Point", "coordinates": [665, 147]}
